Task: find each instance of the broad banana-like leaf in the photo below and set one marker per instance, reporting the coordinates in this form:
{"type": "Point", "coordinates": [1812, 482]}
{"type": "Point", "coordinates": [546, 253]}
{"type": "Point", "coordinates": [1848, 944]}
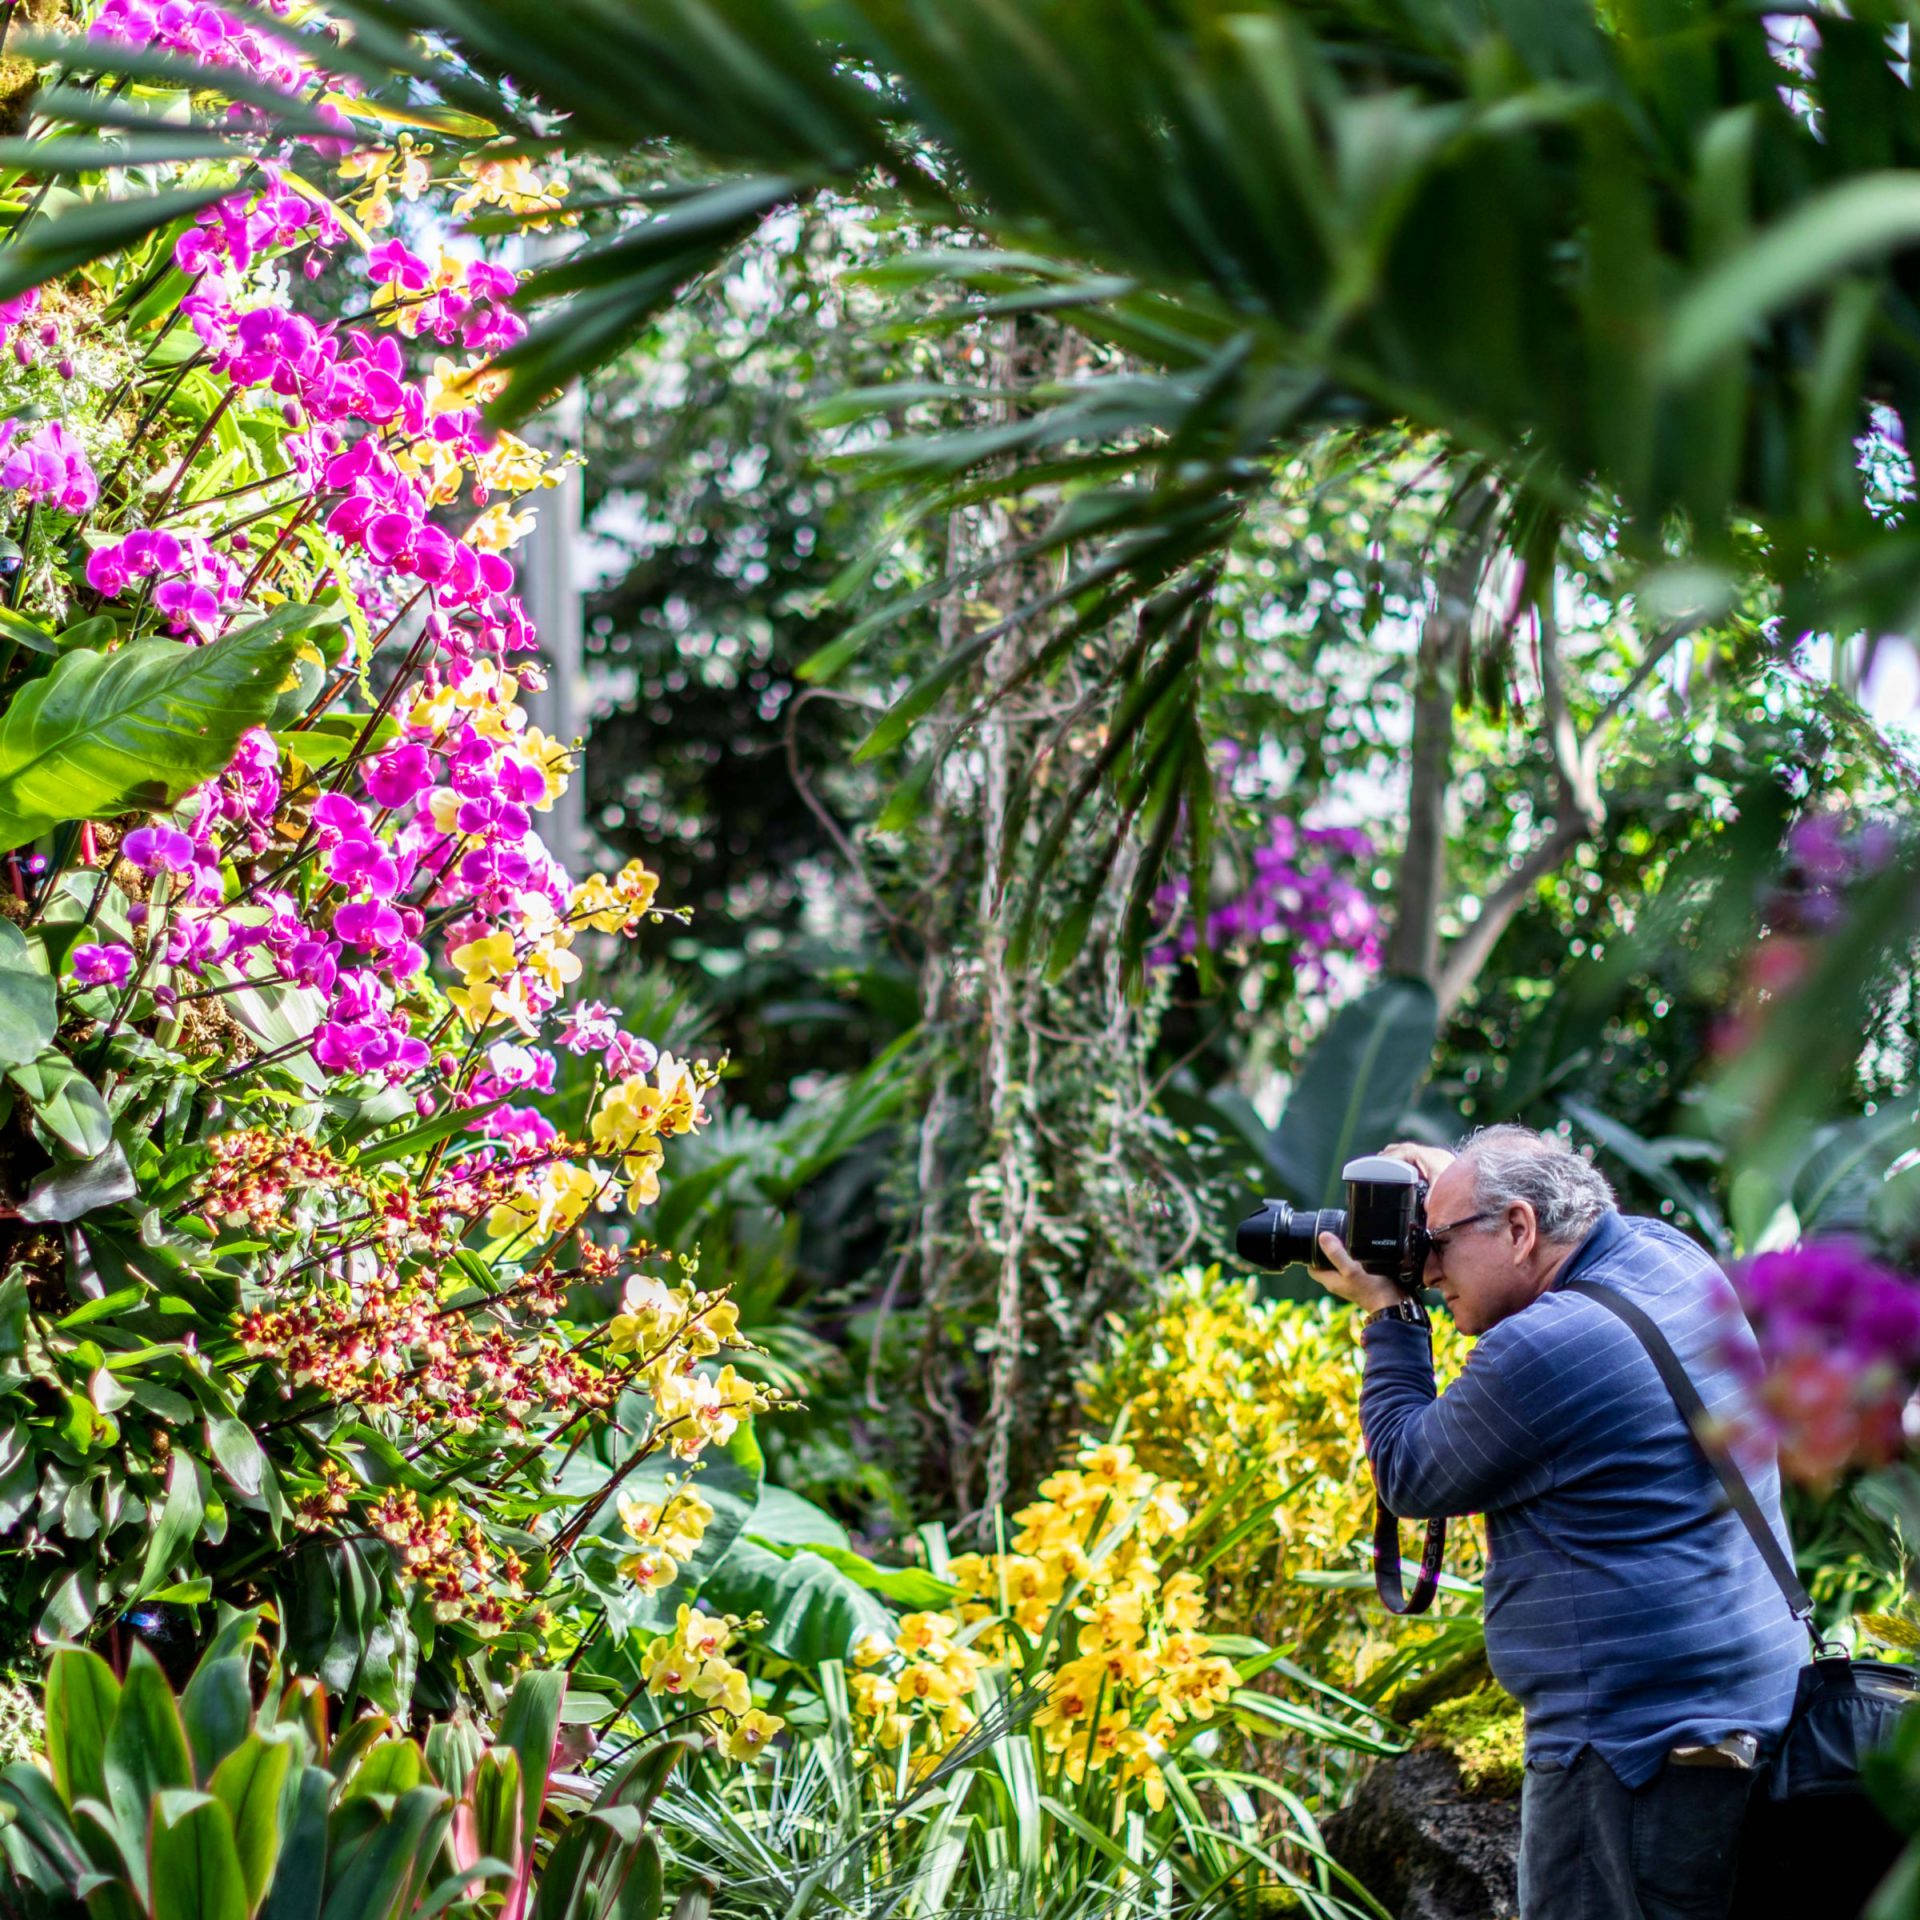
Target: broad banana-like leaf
{"type": "Point", "coordinates": [104, 732]}
{"type": "Point", "coordinates": [1354, 1087]}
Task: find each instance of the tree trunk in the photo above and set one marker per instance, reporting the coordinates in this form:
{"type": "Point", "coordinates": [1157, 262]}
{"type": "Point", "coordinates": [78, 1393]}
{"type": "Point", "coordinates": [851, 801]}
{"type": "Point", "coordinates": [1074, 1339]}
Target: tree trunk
{"type": "Point", "coordinates": [1413, 947]}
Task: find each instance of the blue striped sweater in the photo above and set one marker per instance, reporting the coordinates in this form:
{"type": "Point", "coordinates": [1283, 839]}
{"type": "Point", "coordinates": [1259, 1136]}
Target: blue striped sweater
{"type": "Point", "coordinates": [1626, 1609]}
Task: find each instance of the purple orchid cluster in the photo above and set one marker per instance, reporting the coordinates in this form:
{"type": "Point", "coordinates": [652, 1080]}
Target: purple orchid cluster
{"type": "Point", "coordinates": [208, 35]}
{"type": "Point", "coordinates": [1301, 896]}
{"type": "Point", "coordinates": [46, 465]}
{"type": "Point", "coordinates": [1825, 859]}
{"type": "Point", "coordinates": [1835, 1359]}
{"type": "Point", "coordinates": [298, 872]}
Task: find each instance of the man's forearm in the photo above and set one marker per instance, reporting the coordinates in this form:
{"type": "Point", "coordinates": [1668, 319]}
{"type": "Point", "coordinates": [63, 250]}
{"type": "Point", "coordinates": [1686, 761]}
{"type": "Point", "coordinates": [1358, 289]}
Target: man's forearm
{"type": "Point", "coordinates": [1458, 1452]}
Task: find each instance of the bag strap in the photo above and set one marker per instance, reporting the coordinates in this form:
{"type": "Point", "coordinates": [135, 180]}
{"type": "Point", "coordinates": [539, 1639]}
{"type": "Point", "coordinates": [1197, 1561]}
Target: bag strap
{"type": "Point", "coordinates": [1699, 1423]}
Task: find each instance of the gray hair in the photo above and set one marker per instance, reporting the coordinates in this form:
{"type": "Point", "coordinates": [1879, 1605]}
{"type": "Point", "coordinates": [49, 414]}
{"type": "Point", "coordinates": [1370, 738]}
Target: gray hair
{"type": "Point", "coordinates": [1567, 1193]}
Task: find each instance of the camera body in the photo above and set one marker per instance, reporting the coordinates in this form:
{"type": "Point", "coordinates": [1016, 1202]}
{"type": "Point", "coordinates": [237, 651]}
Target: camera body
{"type": "Point", "coordinates": [1383, 1225]}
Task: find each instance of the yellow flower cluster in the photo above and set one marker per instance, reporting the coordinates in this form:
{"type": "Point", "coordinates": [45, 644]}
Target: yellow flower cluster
{"type": "Point", "coordinates": [691, 1663]}
{"type": "Point", "coordinates": [514, 185]}
{"type": "Point", "coordinates": [665, 1534]}
{"type": "Point", "coordinates": [1085, 1578]}
{"type": "Point", "coordinates": [615, 906]}
{"type": "Point", "coordinates": [924, 1695]}
{"type": "Point", "coordinates": [673, 1329]}
{"type": "Point", "coordinates": [442, 467]}
{"type": "Point", "coordinates": [635, 1114]}
{"type": "Point", "coordinates": [1214, 1381]}
{"type": "Point", "coordinates": [404, 168]}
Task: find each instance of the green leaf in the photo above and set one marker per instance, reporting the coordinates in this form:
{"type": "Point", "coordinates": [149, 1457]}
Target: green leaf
{"type": "Point", "coordinates": [295, 1890]}
{"type": "Point", "coordinates": [103, 733]}
{"type": "Point", "coordinates": [74, 1191]}
{"type": "Point", "coordinates": [1794, 259]}
{"type": "Point", "coordinates": [82, 1695]}
{"type": "Point", "coordinates": [250, 1783]}
{"type": "Point", "coordinates": [194, 1864]}
{"type": "Point", "coordinates": [373, 1883]}
{"type": "Point", "coordinates": [391, 1767]}
{"type": "Point", "coordinates": [65, 1103]}
{"type": "Point", "coordinates": [529, 1726]}
{"type": "Point", "coordinates": [46, 249]}
{"type": "Point", "coordinates": [789, 1520]}
{"type": "Point", "coordinates": [814, 1611]}
{"type": "Point", "coordinates": [217, 1710]}
{"type": "Point", "coordinates": [443, 1126]}
{"type": "Point", "coordinates": [27, 1012]}
{"type": "Point", "coordinates": [498, 1792]}
{"type": "Point", "coordinates": [39, 1815]}
{"type": "Point", "coordinates": [237, 1453]}
{"type": "Point", "coordinates": [177, 1528]}
{"type": "Point", "coordinates": [146, 1752]}
{"type": "Point", "coordinates": [913, 1588]}
{"type": "Point", "coordinates": [1353, 1089]}
{"type": "Point", "coordinates": [26, 633]}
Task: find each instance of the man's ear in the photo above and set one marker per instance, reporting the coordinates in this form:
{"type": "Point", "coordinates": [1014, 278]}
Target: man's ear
{"type": "Point", "coordinates": [1523, 1230]}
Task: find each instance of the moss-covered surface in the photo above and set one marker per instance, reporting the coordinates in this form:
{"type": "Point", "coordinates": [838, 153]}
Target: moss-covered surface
{"type": "Point", "coordinates": [1485, 1733]}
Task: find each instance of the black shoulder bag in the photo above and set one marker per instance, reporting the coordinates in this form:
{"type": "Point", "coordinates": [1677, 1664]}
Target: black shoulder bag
{"type": "Point", "coordinates": [1814, 1843]}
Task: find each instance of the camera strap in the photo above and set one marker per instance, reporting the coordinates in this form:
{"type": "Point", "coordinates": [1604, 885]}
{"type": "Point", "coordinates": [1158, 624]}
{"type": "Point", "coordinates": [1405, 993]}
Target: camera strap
{"type": "Point", "coordinates": [1389, 1569]}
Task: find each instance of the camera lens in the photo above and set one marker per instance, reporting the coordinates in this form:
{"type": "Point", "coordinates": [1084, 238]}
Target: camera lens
{"type": "Point", "coordinates": [1281, 1236]}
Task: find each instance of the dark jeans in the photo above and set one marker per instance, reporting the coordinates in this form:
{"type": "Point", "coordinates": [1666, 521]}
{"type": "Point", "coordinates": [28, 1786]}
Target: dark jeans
{"type": "Point", "coordinates": [1591, 1849]}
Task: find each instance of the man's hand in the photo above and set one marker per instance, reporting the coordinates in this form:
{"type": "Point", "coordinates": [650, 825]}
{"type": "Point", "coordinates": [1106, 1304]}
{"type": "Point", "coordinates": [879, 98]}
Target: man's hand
{"type": "Point", "coordinates": [1428, 1162]}
{"type": "Point", "coordinates": [1349, 1280]}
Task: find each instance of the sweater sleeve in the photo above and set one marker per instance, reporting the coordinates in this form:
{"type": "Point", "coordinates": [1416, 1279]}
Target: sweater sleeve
{"type": "Point", "coordinates": [1463, 1451]}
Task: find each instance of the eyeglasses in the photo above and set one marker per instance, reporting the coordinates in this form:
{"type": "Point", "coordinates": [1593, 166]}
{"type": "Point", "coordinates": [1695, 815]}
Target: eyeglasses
{"type": "Point", "coordinates": [1438, 1238]}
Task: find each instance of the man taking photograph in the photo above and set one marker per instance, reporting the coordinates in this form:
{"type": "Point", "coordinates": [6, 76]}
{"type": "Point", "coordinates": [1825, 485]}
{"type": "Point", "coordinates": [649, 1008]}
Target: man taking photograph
{"type": "Point", "coordinates": [1627, 1610]}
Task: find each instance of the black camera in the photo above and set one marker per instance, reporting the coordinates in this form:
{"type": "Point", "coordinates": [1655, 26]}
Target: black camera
{"type": "Point", "coordinates": [1383, 1225]}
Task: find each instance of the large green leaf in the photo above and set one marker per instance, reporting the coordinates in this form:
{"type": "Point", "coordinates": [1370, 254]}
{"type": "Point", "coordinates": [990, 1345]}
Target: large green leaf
{"type": "Point", "coordinates": [178, 1526]}
{"type": "Point", "coordinates": [146, 1754]}
{"type": "Point", "coordinates": [27, 1015]}
{"type": "Point", "coordinates": [251, 1784]}
{"type": "Point", "coordinates": [814, 1612]}
{"type": "Point", "coordinates": [373, 1884]}
{"type": "Point", "coordinates": [294, 1891]}
{"type": "Point", "coordinates": [193, 1861]}
{"type": "Point", "coordinates": [1353, 1089]}
{"type": "Point", "coordinates": [528, 1727]}
{"type": "Point", "coordinates": [82, 1695]}
{"type": "Point", "coordinates": [64, 1101]}
{"type": "Point", "coordinates": [102, 732]}
{"type": "Point", "coordinates": [1861, 220]}
{"type": "Point", "coordinates": [217, 1709]}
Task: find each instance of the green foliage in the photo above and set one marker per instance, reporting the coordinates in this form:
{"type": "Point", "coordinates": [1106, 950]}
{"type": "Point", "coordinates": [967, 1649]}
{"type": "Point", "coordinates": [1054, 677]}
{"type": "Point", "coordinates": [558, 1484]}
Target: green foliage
{"type": "Point", "coordinates": [825, 1831]}
{"type": "Point", "coordinates": [1565, 242]}
{"type": "Point", "coordinates": [206, 1806]}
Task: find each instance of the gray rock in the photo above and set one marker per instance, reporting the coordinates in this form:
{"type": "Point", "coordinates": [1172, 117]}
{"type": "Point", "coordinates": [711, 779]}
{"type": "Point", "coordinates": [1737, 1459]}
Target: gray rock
{"type": "Point", "coordinates": [1425, 1848]}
